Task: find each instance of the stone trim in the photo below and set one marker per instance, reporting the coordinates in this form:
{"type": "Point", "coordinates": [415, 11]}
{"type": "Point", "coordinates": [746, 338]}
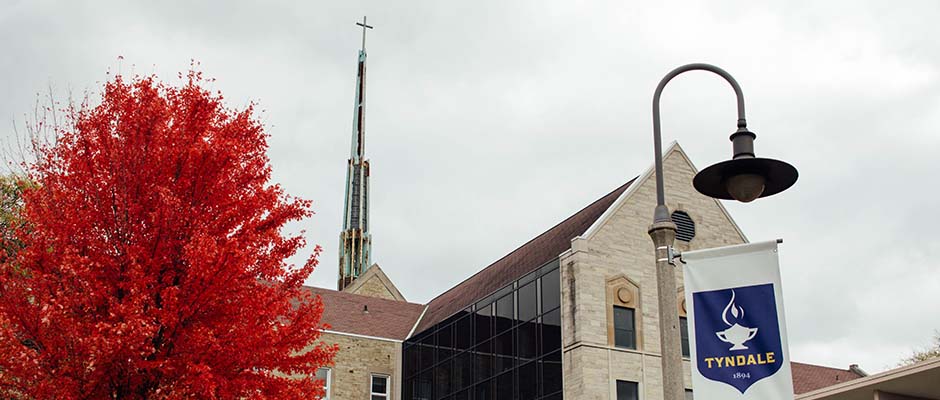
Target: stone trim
{"type": "Point", "coordinates": [418, 321]}
{"type": "Point", "coordinates": [680, 301]}
{"type": "Point", "coordinates": [610, 348]}
{"type": "Point", "coordinates": [624, 292]}
{"type": "Point", "coordinates": [355, 335]}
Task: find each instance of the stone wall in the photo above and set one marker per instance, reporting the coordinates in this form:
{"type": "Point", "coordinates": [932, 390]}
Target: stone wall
{"type": "Point", "coordinates": [358, 358]}
{"type": "Point", "coordinates": [620, 246]}
{"type": "Point", "coordinates": [374, 287]}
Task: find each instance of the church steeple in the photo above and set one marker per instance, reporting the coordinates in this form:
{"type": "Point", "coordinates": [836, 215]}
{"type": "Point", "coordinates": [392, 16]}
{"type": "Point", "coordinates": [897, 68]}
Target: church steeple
{"type": "Point", "coordinates": [355, 240]}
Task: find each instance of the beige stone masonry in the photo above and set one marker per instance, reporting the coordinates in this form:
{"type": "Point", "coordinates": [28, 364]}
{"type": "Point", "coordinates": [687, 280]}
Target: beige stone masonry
{"type": "Point", "coordinates": [358, 358]}
{"type": "Point", "coordinates": [375, 283]}
{"type": "Point", "coordinates": [618, 245]}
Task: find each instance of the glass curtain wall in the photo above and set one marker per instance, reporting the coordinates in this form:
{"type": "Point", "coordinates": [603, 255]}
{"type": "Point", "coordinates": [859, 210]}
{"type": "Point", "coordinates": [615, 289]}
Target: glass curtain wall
{"type": "Point", "coordinates": [505, 346]}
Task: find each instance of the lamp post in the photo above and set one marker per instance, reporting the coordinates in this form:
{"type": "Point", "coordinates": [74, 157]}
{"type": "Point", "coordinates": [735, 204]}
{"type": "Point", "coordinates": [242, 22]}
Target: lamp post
{"type": "Point", "coordinates": [744, 178]}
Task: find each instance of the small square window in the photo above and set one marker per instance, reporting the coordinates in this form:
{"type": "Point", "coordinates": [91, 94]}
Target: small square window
{"type": "Point", "coordinates": [624, 327]}
{"type": "Point", "coordinates": [379, 387]}
{"type": "Point", "coordinates": [323, 374]}
{"type": "Point", "coordinates": [627, 390]}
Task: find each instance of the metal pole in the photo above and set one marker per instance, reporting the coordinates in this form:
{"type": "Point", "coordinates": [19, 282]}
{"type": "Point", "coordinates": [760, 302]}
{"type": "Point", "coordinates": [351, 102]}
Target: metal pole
{"type": "Point", "coordinates": [663, 234]}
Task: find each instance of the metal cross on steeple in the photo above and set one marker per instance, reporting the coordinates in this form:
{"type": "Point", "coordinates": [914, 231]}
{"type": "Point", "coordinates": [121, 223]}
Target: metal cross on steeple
{"type": "Point", "coordinates": [364, 26]}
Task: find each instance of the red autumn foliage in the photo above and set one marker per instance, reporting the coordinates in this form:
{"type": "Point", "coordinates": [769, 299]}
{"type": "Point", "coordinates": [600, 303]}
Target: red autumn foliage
{"type": "Point", "coordinates": [152, 259]}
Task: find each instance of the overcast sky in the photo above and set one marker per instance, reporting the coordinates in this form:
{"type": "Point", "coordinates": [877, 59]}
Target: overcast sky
{"type": "Point", "coordinates": [490, 121]}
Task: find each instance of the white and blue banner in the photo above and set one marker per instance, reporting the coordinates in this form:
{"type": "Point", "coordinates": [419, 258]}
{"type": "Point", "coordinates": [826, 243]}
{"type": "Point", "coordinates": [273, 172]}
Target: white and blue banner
{"type": "Point", "coordinates": [737, 329]}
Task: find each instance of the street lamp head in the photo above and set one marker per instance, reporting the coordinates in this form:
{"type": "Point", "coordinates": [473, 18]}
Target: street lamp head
{"type": "Point", "coordinates": [745, 177]}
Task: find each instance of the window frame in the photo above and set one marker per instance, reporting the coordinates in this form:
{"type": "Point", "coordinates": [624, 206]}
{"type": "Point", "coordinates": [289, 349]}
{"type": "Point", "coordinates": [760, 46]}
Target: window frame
{"type": "Point", "coordinates": [636, 386]}
{"type": "Point", "coordinates": [388, 386]}
{"type": "Point", "coordinates": [326, 382]}
{"type": "Point", "coordinates": [634, 330]}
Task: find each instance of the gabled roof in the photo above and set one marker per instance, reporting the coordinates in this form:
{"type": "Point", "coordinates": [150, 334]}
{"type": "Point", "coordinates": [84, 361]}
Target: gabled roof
{"type": "Point", "coordinates": [915, 381]}
{"type": "Point", "coordinates": [346, 313]}
{"type": "Point", "coordinates": [674, 149]}
{"type": "Point", "coordinates": [809, 377]}
{"type": "Point", "coordinates": [375, 273]}
{"type": "Point", "coordinates": [519, 262]}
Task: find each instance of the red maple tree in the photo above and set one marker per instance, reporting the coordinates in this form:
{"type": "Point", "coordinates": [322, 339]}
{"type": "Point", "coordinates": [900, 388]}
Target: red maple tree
{"type": "Point", "coordinates": [151, 259]}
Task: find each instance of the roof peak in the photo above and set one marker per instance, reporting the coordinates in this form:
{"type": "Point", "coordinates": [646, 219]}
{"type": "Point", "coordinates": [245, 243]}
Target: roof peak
{"type": "Point", "coordinates": [525, 258]}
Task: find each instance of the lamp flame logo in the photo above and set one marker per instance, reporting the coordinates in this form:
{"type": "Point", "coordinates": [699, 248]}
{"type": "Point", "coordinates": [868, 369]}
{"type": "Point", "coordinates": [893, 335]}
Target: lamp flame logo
{"type": "Point", "coordinates": [736, 311]}
{"type": "Point", "coordinates": [736, 335]}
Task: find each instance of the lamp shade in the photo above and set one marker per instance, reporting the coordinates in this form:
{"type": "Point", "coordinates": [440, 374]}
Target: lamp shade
{"type": "Point", "coordinates": [714, 181]}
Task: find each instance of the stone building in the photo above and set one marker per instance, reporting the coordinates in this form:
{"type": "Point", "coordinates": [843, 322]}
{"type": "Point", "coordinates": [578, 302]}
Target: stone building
{"type": "Point", "coordinates": [571, 313]}
{"type": "Point", "coordinates": [369, 327]}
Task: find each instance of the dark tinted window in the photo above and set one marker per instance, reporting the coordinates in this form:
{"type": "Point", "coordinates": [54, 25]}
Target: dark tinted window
{"type": "Point", "coordinates": [528, 302]}
{"type": "Point", "coordinates": [551, 291]}
{"type": "Point", "coordinates": [550, 369]}
{"type": "Point", "coordinates": [624, 327]}
{"type": "Point", "coordinates": [627, 390]}
{"type": "Point", "coordinates": [427, 352]}
{"type": "Point", "coordinates": [508, 347]}
{"type": "Point", "coordinates": [528, 376]}
{"type": "Point", "coordinates": [684, 331]}
{"type": "Point", "coordinates": [424, 387]}
{"type": "Point", "coordinates": [463, 370]}
{"type": "Point", "coordinates": [505, 308]}
{"type": "Point", "coordinates": [485, 390]}
{"type": "Point", "coordinates": [505, 386]}
{"type": "Point", "coordinates": [442, 377]}
{"type": "Point", "coordinates": [503, 352]}
{"type": "Point", "coordinates": [445, 345]}
{"type": "Point", "coordinates": [409, 360]}
{"type": "Point", "coordinates": [463, 332]}
{"type": "Point", "coordinates": [379, 384]}
{"type": "Point", "coordinates": [528, 340]}
{"type": "Point", "coordinates": [551, 331]}
{"type": "Point", "coordinates": [483, 367]}
{"type": "Point", "coordinates": [484, 324]}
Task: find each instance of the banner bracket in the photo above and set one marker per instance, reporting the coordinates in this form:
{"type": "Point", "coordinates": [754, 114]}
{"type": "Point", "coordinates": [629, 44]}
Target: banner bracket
{"type": "Point", "coordinates": [672, 254]}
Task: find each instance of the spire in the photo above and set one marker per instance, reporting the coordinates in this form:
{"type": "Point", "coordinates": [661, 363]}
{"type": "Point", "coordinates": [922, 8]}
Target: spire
{"type": "Point", "coordinates": [355, 240]}
{"type": "Point", "coordinates": [357, 151]}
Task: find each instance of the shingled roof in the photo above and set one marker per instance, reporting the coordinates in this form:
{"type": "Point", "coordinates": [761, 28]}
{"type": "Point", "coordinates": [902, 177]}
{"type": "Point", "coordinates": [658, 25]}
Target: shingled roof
{"type": "Point", "coordinates": [366, 315]}
{"type": "Point", "coordinates": [809, 377]}
{"type": "Point", "coordinates": [540, 250]}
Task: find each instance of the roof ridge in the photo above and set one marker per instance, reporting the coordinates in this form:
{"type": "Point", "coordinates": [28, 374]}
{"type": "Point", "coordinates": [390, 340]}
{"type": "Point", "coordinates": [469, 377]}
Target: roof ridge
{"type": "Point", "coordinates": [822, 366]}
{"type": "Point", "coordinates": [342, 293]}
{"type": "Point", "coordinates": [618, 188]}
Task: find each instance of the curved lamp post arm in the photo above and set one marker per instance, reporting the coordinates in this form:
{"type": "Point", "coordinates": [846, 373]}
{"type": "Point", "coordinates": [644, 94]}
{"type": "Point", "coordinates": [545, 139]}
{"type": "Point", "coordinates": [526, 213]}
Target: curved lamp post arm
{"type": "Point", "coordinates": [662, 213]}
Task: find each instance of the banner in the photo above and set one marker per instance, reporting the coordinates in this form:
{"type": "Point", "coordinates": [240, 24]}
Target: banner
{"type": "Point", "coordinates": [737, 329]}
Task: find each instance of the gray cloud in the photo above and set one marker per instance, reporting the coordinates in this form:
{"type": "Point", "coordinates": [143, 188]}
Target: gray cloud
{"type": "Point", "coordinates": [489, 122]}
